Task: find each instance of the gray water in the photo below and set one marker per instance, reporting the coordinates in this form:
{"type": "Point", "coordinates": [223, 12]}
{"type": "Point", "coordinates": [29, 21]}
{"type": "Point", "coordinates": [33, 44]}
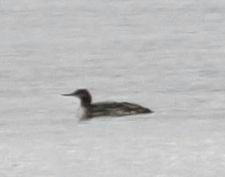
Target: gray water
{"type": "Point", "coordinates": [165, 55]}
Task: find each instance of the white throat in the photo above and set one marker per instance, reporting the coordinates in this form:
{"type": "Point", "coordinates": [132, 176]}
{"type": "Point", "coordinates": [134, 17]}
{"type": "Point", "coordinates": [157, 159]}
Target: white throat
{"type": "Point", "coordinates": [82, 113]}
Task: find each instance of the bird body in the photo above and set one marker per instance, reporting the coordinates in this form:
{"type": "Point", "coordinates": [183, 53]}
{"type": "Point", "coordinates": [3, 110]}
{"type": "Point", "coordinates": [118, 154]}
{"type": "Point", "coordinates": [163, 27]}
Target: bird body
{"type": "Point", "coordinates": [114, 109]}
{"type": "Point", "coordinates": [117, 109]}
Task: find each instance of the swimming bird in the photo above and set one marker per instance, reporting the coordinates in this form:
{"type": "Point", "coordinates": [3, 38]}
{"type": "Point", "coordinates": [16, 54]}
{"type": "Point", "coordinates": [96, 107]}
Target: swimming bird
{"type": "Point", "coordinates": [114, 109]}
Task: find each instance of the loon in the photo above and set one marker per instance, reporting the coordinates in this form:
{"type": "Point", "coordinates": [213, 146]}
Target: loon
{"type": "Point", "coordinates": [114, 109]}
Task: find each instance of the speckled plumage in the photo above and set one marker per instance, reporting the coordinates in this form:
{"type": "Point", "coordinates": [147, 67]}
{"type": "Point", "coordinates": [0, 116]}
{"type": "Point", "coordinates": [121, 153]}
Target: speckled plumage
{"type": "Point", "coordinates": [115, 109]}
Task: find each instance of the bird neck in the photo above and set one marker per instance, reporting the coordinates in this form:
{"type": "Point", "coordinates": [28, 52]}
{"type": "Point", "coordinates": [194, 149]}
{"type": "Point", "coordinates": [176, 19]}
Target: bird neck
{"type": "Point", "coordinates": [86, 101]}
{"type": "Point", "coordinates": [85, 104]}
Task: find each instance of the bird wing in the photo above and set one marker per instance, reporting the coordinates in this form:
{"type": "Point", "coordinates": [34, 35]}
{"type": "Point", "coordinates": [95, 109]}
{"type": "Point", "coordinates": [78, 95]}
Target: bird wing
{"type": "Point", "coordinates": [117, 108]}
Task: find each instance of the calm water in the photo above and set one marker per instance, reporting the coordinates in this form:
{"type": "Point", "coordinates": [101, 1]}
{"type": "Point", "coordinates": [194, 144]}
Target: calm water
{"type": "Point", "coordinates": [168, 56]}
